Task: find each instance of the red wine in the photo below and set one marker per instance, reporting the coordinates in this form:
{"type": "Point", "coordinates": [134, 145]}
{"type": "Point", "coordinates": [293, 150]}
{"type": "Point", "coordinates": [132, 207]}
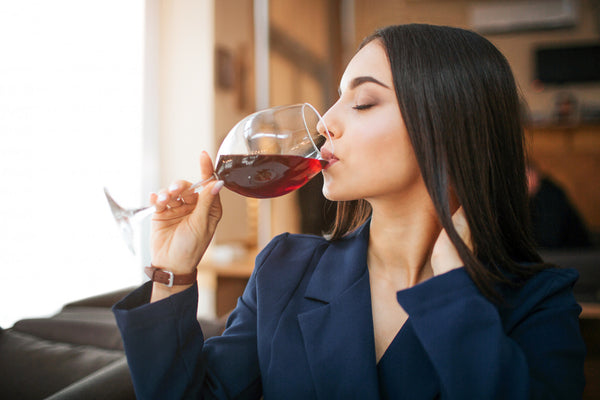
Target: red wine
{"type": "Point", "coordinates": [266, 175]}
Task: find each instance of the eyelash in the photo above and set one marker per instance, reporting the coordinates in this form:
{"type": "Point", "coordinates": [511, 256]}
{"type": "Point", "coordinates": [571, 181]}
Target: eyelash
{"type": "Point", "coordinates": [360, 107]}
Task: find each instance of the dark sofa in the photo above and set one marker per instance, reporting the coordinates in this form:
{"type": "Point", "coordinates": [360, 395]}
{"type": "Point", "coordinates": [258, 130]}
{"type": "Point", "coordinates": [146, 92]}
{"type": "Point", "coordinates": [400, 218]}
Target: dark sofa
{"type": "Point", "coordinates": [75, 354]}
{"type": "Point", "coordinates": [587, 262]}
{"type": "Point", "coordinates": [587, 291]}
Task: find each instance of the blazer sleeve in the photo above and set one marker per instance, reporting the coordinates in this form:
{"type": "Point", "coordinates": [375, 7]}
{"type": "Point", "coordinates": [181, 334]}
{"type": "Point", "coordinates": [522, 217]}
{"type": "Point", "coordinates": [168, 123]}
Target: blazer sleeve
{"type": "Point", "coordinates": [168, 357]}
{"type": "Point", "coordinates": [535, 353]}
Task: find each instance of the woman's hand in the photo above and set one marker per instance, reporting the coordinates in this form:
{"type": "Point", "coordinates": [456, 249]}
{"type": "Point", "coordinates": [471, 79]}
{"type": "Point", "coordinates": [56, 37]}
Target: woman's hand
{"type": "Point", "coordinates": [444, 256]}
{"type": "Point", "coordinates": [184, 222]}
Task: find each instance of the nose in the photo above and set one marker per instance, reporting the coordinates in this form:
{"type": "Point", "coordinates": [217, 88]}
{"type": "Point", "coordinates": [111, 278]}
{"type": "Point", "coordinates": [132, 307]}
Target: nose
{"type": "Point", "coordinates": [327, 127]}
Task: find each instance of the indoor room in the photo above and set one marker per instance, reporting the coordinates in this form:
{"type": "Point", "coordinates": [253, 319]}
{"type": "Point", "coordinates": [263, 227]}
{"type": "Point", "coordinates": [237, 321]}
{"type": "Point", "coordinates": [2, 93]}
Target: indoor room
{"type": "Point", "coordinates": [102, 104]}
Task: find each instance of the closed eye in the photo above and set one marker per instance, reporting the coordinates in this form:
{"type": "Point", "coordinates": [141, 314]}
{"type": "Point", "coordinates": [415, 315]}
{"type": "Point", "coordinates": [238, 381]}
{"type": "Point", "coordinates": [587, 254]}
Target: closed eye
{"type": "Point", "coordinates": [362, 106]}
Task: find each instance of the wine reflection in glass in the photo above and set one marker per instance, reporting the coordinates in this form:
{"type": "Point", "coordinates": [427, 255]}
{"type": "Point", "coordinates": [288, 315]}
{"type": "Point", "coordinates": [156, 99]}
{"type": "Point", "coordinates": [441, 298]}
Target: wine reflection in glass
{"type": "Point", "coordinates": [267, 154]}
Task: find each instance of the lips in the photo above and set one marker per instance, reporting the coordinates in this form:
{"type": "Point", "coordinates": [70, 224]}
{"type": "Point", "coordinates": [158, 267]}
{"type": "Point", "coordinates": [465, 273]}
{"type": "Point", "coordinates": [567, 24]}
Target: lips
{"type": "Point", "coordinates": [327, 155]}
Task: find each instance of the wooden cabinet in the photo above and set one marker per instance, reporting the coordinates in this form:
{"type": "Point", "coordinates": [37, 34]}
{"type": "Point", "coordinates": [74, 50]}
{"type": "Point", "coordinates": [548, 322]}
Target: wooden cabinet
{"type": "Point", "coordinates": [230, 281]}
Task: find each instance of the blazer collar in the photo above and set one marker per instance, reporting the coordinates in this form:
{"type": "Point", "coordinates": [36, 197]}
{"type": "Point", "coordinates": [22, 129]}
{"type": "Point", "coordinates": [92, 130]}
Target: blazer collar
{"type": "Point", "coordinates": [337, 328]}
{"type": "Point", "coordinates": [340, 266]}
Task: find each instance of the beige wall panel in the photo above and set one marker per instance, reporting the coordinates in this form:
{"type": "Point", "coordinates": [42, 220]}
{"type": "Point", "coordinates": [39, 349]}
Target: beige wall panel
{"type": "Point", "coordinates": [234, 31]}
{"type": "Point", "coordinates": [304, 21]}
{"type": "Point", "coordinates": [517, 47]}
{"type": "Point", "coordinates": [304, 24]}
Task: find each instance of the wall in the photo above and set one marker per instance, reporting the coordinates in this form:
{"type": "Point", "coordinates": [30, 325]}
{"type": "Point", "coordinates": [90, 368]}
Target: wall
{"type": "Point", "coordinates": [300, 71]}
{"type": "Point", "coordinates": [295, 54]}
{"type": "Point", "coordinates": [517, 47]}
{"type": "Point", "coordinates": [291, 80]}
{"type": "Point", "coordinates": [234, 39]}
{"type": "Point", "coordinates": [185, 95]}
{"type": "Point", "coordinates": [179, 95]}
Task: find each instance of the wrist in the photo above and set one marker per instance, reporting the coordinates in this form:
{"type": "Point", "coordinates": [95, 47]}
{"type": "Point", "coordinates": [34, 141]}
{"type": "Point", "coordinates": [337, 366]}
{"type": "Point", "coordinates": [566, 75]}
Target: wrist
{"type": "Point", "coordinates": [160, 291]}
{"type": "Point", "coordinates": [169, 278]}
{"type": "Point", "coordinates": [167, 283]}
{"type": "Point", "coordinates": [177, 266]}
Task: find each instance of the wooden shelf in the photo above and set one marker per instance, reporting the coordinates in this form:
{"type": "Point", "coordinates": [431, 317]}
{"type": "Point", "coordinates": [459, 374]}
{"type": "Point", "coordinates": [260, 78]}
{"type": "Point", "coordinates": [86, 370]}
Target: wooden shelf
{"type": "Point", "coordinates": [590, 310]}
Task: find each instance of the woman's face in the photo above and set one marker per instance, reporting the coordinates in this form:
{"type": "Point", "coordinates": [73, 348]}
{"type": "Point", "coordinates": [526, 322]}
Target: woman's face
{"type": "Point", "coordinates": [373, 157]}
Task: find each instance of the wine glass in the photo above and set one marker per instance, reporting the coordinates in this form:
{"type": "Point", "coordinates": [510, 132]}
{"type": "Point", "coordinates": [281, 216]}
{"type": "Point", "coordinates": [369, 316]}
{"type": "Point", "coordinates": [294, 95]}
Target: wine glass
{"type": "Point", "coordinates": [267, 154]}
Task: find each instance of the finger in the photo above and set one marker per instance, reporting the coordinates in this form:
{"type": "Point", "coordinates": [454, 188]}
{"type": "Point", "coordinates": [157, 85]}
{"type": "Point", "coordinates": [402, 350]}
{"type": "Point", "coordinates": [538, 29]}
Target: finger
{"type": "Point", "coordinates": [209, 194]}
{"type": "Point", "coordinates": [174, 202]}
{"type": "Point", "coordinates": [177, 187]}
{"type": "Point", "coordinates": [179, 191]}
{"type": "Point", "coordinates": [459, 216]}
{"type": "Point", "coordinates": [459, 219]}
{"type": "Point", "coordinates": [161, 200]}
{"type": "Point", "coordinates": [153, 199]}
{"type": "Point", "coordinates": [206, 166]}
{"type": "Point", "coordinates": [208, 208]}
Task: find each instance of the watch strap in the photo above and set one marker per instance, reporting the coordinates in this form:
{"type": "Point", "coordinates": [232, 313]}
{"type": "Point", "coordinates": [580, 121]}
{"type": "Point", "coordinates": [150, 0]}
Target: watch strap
{"type": "Point", "coordinates": [168, 278]}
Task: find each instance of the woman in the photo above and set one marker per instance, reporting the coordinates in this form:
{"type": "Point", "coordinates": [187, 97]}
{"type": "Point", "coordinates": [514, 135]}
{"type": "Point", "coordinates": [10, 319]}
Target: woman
{"type": "Point", "coordinates": [429, 286]}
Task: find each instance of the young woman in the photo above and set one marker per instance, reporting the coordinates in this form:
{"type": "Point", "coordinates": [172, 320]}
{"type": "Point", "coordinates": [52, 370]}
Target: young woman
{"type": "Point", "coordinates": [428, 286]}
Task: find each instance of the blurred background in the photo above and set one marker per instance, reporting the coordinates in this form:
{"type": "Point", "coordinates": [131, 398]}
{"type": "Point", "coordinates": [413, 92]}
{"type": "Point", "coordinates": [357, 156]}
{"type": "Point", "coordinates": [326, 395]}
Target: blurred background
{"type": "Point", "coordinates": [126, 94]}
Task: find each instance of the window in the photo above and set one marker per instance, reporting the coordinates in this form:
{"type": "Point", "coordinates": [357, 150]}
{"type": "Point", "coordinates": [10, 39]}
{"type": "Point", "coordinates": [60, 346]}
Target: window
{"type": "Point", "coordinates": [71, 83]}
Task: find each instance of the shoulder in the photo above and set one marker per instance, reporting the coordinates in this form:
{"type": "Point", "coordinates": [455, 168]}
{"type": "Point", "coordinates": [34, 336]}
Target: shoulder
{"type": "Point", "coordinates": [290, 246]}
{"type": "Point", "coordinates": [549, 281]}
{"type": "Point", "coordinates": [287, 253]}
{"type": "Point", "coordinates": [549, 288]}
{"type": "Point", "coordinates": [283, 267]}
{"type": "Point", "coordinates": [291, 261]}
{"type": "Point", "coordinates": [297, 247]}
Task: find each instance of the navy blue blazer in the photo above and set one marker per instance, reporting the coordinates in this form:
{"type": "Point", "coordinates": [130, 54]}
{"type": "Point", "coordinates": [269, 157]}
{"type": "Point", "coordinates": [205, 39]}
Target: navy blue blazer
{"type": "Point", "coordinates": [303, 329]}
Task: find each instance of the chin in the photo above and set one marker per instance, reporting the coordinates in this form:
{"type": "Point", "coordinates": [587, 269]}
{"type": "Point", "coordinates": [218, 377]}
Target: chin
{"type": "Point", "coordinates": [336, 194]}
{"type": "Point", "coordinates": [341, 189]}
{"type": "Point", "coordinates": [328, 194]}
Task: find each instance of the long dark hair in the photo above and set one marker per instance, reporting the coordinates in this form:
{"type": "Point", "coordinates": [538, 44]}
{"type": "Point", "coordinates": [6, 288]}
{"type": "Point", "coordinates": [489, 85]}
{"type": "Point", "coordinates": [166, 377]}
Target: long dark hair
{"type": "Point", "coordinates": [461, 107]}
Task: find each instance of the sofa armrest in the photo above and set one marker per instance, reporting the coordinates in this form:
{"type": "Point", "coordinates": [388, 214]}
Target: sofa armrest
{"type": "Point", "coordinates": [34, 368]}
{"type": "Point", "coordinates": [106, 300]}
{"type": "Point", "coordinates": [587, 262]}
{"type": "Point", "coordinates": [111, 382]}
{"type": "Point", "coordinates": [102, 335]}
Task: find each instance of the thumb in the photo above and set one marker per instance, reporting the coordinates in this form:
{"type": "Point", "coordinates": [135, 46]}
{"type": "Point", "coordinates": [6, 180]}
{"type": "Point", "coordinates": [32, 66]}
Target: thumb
{"type": "Point", "coordinates": [208, 210]}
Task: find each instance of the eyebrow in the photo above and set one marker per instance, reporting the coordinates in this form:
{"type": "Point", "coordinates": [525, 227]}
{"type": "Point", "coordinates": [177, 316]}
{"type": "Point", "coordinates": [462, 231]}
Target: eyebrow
{"type": "Point", "coordinates": [363, 79]}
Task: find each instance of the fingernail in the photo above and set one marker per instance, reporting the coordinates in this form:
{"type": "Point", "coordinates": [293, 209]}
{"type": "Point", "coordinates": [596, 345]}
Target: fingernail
{"type": "Point", "coordinates": [162, 197]}
{"type": "Point", "coordinates": [217, 188]}
{"type": "Point", "coordinates": [173, 187]}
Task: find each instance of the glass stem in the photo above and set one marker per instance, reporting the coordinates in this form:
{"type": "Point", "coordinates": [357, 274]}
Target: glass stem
{"type": "Point", "coordinates": [141, 213]}
{"type": "Point", "coordinates": [198, 186]}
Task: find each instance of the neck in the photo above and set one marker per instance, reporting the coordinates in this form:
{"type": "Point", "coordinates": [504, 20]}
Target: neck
{"type": "Point", "coordinates": [400, 242]}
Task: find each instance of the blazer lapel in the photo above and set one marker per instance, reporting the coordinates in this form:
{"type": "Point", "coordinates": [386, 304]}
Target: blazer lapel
{"type": "Point", "coordinates": [338, 328]}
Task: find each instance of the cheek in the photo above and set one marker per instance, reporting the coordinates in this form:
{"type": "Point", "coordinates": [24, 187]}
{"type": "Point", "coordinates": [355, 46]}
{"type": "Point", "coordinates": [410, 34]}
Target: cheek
{"type": "Point", "coordinates": [380, 161]}
{"type": "Point", "coordinates": [388, 150]}
{"type": "Point", "coordinates": [393, 167]}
